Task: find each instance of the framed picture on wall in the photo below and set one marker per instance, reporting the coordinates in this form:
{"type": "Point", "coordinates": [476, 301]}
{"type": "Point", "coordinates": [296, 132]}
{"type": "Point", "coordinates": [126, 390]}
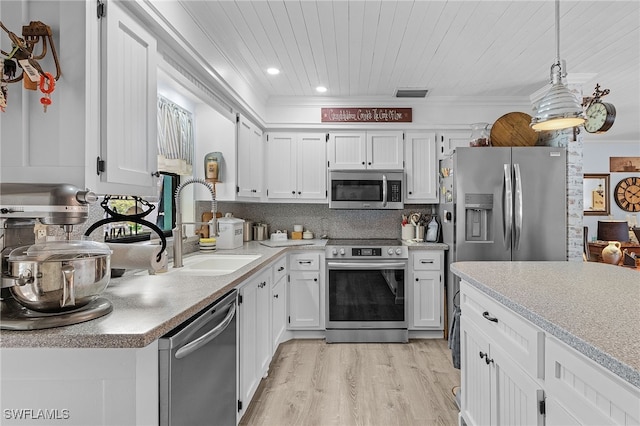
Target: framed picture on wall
{"type": "Point", "coordinates": [596, 194]}
{"type": "Point", "coordinates": [624, 164]}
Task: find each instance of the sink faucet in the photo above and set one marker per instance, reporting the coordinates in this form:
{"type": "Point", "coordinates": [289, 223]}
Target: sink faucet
{"type": "Point", "coordinates": [177, 232]}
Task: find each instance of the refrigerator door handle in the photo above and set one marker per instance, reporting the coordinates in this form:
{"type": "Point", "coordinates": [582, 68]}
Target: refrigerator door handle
{"type": "Point", "coordinates": [518, 205]}
{"type": "Point", "coordinates": [507, 209]}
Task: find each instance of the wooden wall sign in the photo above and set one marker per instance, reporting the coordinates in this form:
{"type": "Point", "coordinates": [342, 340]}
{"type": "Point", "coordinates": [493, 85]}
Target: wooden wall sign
{"type": "Point", "coordinates": [366, 115]}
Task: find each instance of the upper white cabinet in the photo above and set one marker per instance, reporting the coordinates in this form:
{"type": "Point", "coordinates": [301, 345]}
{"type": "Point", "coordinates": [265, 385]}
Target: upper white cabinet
{"type": "Point", "coordinates": [128, 150]}
{"type": "Point", "coordinates": [104, 104]}
{"type": "Point", "coordinates": [421, 167]}
{"type": "Point", "coordinates": [296, 166]}
{"type": "Point", "coordinates": [383, 150]}
{"type": "Point", "coordinates": [250, 159]}
{"type": "Point", "coordinates": [450, 140]}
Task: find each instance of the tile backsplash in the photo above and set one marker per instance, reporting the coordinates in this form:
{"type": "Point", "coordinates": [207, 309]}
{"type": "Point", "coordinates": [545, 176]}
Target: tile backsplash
{"type": "Point", "coordinates": [319, 219]}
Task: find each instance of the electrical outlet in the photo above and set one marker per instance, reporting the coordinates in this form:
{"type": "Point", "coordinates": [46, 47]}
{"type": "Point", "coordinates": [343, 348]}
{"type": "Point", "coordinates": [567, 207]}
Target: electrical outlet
{"type": "Point", "coordinates": [40, 231]}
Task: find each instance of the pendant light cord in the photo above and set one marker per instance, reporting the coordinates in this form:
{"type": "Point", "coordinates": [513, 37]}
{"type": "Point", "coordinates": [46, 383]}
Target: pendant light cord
{"type": "Point", "coordinates": [558, 31]}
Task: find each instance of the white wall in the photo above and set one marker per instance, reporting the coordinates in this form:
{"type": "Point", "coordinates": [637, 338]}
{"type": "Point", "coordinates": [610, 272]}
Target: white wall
{"type": "Point", "coordinates": [596, 160]}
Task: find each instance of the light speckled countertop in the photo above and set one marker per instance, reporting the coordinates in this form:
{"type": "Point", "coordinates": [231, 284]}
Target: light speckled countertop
{"type": "Point", "coordinates": [592, 307]}
{"type": "Point", "coordinates": [145, 307]}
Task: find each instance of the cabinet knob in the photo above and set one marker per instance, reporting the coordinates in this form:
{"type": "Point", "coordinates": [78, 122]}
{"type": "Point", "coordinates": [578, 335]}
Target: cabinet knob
{"type": "Point", "coordinates": [369, 163]}
{"type": "Point", "coordinates": [410, 192]}
{"type": "Point", "coordinates": [315, 279]}
{"type": "Point", "coordinates": [486, 316]}
{"type": "Point", "coordinates": [363, 163]}
{"type": "Point", "coordinates": [482, 354]}
{"type": "Point", "coordinates": [299, 192]}
{"type": "Point", "coordinates": [275, 296]}
{"type": "Point", "coordinates": [293, 192]}
{"type": "Point", "coordinates": [417, 279]}
{"type": "Point", "coordinates": [281, 268]}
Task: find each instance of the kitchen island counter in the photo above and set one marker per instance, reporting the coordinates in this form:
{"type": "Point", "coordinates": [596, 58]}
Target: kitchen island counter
{"type": "Point", "coordinates": [591, 307]}
{"type": "Point", "coordinates": [145, 307]}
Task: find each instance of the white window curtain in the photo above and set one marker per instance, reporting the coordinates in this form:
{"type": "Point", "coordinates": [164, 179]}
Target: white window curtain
{"type": "Point", "coordinates": [175, 138]}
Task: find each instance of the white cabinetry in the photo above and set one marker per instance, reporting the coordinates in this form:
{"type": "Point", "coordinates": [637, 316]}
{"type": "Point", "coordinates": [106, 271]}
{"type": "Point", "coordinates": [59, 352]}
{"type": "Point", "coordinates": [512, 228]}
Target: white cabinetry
{"type": "Point", "coordinates": [579, 391]}
{"type": "Point", "coordinates": [255, 342]}
{"type": "Point", "coordinates": [366, 150]}
{"type": "Point", "coordinates": [501, 358]}
{"type": "Point", "coordinates": [426, 290]}
{"type": "Point", "coordinates": [129, 98]}
{"type": "Point", "coordinates": [421, 167]}
{"type": "Point", "coordinates": [450, 140]}
{"type": "Point", "coordinates": [296, 166]}
{"type": "Point", "coordinates": [250, 159]}
{"type": "Point", "coordinates": [80, 386]}
{"type": "Point", "coordinates": [104, 105]}
{"type": "Point", "coordinates": [306, 291]}
{"type": "Point", "coordinates": [278, 303]}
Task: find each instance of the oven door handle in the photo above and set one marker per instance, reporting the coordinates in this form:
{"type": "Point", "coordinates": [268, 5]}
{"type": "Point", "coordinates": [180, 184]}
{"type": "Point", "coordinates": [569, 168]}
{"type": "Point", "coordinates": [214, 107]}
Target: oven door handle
{"type": "Point", "coordinates": [366, 265]}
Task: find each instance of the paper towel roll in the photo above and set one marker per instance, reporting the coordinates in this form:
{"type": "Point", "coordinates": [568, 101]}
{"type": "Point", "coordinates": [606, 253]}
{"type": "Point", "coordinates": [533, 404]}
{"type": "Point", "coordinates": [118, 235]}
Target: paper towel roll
{"type": "Point", "coordinates": [135, 256]}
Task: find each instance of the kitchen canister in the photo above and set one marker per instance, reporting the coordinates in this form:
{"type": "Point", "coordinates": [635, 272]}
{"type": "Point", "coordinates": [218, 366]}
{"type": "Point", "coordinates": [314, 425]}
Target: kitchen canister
{"type": "Point", "coordinates": [611, 253]}
{"type": "Point", "coordinates": [408, 232]}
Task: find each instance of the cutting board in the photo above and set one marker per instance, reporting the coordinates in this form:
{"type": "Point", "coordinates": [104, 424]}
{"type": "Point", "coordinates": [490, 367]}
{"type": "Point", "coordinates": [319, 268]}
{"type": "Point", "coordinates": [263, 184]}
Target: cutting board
{"type": "Point", "coordinates": [286, 243]}
{"type": "Point", "coordinates": [512, 129]}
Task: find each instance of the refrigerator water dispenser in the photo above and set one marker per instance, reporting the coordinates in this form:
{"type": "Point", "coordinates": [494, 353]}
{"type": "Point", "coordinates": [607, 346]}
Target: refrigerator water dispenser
{"type": "Point", "coordinates": [478, 217]}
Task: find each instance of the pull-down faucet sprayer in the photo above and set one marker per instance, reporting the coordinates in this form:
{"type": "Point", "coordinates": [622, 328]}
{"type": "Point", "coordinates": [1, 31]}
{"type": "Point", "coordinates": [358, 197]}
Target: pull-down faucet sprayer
{"type": "Point", "coordinates": [177, 232]}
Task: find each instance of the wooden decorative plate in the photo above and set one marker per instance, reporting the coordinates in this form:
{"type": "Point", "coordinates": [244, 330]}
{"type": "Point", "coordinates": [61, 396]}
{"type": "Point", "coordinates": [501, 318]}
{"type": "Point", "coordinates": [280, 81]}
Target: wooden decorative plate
{"type": "Point", "coordinates": [512, 129]}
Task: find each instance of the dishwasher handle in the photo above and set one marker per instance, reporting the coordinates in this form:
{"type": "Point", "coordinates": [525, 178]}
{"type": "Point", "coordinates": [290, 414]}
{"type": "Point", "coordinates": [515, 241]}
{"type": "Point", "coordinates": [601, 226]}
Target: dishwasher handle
{"type": "Point", "coordinates": [209, 336]}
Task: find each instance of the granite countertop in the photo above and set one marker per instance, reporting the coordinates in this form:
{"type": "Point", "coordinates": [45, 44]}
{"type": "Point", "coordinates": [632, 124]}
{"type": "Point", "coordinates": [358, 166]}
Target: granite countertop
{"type": "Point", "coordinates": [592, 307]}
{"type": "Point", "coordinates": [413, 245]}
{"type": "Point", "coordinates": [145, 307]}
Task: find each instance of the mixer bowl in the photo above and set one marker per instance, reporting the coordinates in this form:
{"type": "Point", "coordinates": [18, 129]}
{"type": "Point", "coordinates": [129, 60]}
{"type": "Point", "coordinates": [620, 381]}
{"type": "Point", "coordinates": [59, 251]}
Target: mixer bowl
{"type": "Point", "coordinates": [61, 281]}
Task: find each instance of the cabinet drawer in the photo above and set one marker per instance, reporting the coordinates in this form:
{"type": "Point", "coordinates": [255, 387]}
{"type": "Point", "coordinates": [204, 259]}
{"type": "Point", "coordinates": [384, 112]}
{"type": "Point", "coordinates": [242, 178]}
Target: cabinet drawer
{"type": "Point", "coordinates": [427, 261]}
{"type": "Point", "coordinates": [279, 269]}
{"type": "Point", "coordinates": [522, 340]}
{"type": "Point", "coordinates": [588, 391]}
{"type": "Point", "coordinates": [304, 261]}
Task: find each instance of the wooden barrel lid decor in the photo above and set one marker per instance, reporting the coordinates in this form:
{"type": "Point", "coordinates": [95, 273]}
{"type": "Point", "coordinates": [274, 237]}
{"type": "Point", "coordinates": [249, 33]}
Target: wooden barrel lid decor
{"type": "Point", "coordinates": [512, 129]}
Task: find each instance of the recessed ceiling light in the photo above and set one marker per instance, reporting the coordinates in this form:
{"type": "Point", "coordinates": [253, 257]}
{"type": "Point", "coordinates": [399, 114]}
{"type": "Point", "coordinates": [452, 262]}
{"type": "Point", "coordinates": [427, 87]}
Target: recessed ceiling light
{"type": "Point", "coordinates": [321, 89]}
{"type": "Point", "coordinates": [273, 71]}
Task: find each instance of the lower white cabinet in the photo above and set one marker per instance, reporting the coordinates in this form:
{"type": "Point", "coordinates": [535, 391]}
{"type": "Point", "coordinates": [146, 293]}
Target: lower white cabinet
{"type": "Point", "coordinates": [579, 391]}
{"type": "Point", "coordinates": [80, 386]}
{"type": "Point", "coordinates": [255, 342]}
{"type": "Point", "coordinates": [426, 290]}
{"type": "Point", "coordinates": [496, 389]}
{"type": "Point", "coordinates": [305, 298]}
{"type": "Point", "coordinates": [278, 303]}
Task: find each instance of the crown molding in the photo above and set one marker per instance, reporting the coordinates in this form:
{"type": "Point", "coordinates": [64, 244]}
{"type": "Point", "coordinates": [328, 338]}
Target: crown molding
{"type": "Point", "coordinates": [323, 101]}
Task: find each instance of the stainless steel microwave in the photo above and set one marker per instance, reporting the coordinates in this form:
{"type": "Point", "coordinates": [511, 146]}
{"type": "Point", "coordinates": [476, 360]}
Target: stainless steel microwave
{"type": "Point", "coordinates": [366, 189]}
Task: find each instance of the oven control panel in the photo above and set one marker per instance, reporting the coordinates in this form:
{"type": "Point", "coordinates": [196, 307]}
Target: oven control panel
{"type": "Point", "coordinates": [369, 251]}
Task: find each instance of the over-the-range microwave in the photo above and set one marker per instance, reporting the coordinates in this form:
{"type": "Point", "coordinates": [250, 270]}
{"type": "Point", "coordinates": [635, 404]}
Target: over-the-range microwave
{"type": "Point", "coordinates": [366, 189]}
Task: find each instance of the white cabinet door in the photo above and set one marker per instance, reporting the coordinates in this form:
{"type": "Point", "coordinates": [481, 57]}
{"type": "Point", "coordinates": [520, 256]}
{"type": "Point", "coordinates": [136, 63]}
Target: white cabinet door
{"type": "Point", "coordinates": [278, 312]}
{"type": "Point", "coordinates": [421, 167]}
{"type": "Point", "coordinates": [129, 94]}
{"type": "Point", "coordinates": [427, 299]}
{"type": "Point", "coordinates": [247, 314]}
{"type": "Point", "coordinates": [347, 151]}
{"type": "Point", "coordinates": [255, 333]}
{"type": "Point", "coordinates": [450, 140]}
{"type": "Point", "coordinates": [475, 376]}
{"type": "Point", "coordinates": [250, 159]}
{"type": "Point", "coordinates": [312, 166]}
{"type": "Point", "coordinates": [296, 166]}
{"type": "Point", "coordinates": [304, 299]}
{"type": "Point", "coordinates": [385, 150]}
{"type": "Point", "coordinates": [281, 166]}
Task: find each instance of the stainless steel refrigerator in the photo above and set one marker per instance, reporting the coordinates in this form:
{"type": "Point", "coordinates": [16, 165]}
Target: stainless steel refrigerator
{"type": "Point", "coordinates": [503, 203]}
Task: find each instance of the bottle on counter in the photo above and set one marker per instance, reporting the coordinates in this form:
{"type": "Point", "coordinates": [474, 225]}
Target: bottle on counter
{"type": "Point", "coordinates": [433, 230]}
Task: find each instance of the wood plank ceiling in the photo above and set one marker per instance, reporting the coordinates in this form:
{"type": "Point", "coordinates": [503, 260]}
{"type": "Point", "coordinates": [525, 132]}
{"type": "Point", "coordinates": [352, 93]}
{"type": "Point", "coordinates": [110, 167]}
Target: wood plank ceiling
{"type": "Point", "coordinates": [452, 48]}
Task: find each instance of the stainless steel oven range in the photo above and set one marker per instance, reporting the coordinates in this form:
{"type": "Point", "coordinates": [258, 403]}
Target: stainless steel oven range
{"type": "Point", "coordinates": [365, 292]}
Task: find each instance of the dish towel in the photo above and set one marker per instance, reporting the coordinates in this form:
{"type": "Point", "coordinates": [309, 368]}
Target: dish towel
{"type": "Point", "coordinates": [454, 337]}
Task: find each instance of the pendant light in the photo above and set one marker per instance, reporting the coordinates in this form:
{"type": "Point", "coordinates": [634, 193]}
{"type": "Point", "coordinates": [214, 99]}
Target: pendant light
{"type": "Point", "coordinates": [559, 108]}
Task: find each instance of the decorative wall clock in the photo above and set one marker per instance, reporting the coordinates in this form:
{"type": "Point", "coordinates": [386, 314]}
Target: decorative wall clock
{"type": "Point", "coordinates": [627, 194]}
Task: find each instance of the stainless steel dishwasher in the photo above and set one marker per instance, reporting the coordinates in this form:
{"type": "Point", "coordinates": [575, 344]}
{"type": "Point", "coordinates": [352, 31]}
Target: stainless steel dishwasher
{"type": "Point", "coordinates": [198, 368]}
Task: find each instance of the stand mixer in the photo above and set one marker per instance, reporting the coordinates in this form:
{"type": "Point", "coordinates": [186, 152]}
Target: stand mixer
{"type": "Point", "coordinates": [25, 212]}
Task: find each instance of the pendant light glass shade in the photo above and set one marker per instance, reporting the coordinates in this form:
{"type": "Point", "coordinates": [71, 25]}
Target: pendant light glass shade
{"type": "Point", "coordinates": [559, 108]}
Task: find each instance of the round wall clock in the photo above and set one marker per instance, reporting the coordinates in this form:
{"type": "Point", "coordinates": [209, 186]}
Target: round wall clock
{"type": "Point", "coordinates": [627, 194]}
{"type": "Point", "coordinates": [600, 117]}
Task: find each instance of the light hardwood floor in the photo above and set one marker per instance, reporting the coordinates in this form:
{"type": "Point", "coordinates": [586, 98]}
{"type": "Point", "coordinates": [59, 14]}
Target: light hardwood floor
{"type": "Point", "coordinates": [311, 382]}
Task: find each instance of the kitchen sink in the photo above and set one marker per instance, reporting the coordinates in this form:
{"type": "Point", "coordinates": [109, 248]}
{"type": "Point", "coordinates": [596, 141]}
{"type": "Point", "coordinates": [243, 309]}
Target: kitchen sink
{"type": "Point", "coordinates": [212, 264]}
